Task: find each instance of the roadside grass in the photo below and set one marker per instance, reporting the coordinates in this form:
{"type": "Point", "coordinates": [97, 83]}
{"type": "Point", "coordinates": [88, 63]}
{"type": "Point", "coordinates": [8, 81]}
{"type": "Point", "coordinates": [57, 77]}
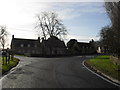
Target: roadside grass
{"type": "Point", "coordinates": [105, 65]}
{"type": "Point", "coordinates": [6, 67]}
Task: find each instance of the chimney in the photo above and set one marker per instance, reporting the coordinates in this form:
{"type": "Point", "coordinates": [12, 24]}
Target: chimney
{"type": "Point", "coordinates": [39, 39]}
{"type": "Point", "coordinates": [12, 36]}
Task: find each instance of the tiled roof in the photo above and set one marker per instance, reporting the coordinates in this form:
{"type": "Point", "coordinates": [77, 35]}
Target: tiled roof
{"type": "Point", "coordinates": [18, 41]}
{"type": "Point", "coordinates": [54, 42]}
{"type": "Point", "coordinates": [84, 44]}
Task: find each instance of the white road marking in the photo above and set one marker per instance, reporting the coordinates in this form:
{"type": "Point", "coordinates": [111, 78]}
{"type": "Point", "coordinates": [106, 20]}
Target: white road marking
{"type": "Point", "coordinates": [100, 76]}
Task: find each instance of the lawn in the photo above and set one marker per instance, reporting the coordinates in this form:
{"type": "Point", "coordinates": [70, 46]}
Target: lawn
{"type": "Point", "coordinates": [4, 68]}
{"type": "Point", "coordinates": [105, 65]}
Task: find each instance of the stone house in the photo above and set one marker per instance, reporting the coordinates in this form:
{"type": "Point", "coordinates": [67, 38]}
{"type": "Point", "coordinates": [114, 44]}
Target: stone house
{"type": "Point", "coordinates": [26, 46]}
{"type": "Point", "coordinates": [33, 47]}
{"type": "Point", "coordinates": [53, 46]}
{"type": "Point", "coordinates": [78, 48]}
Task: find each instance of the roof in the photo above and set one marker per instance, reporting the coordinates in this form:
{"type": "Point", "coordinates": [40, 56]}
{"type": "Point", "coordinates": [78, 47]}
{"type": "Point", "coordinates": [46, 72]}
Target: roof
{"type": "Point", "coordinates": [18, 41]}
{"type": "Point", "coordinates": [71, 43]}
{"type": "Point", "coordinates": [84, 44]}
{"type": "Point", "coordinates": [54, 42]}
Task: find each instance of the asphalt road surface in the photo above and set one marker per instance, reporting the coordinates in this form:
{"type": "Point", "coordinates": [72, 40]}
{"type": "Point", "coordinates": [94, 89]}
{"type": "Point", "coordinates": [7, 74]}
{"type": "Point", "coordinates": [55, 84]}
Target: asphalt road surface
{"type": "Point", "coordinates": [67, 72]}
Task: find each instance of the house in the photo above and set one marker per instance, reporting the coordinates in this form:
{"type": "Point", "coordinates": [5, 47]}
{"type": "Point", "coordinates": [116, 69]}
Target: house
{"type": "Point", "coordinates": [53, 46]}
{"type": "Point", "coordinates": [78, 48]}
{"type": "Point", "coordinates": [31, 47]}
{"type": "Point", "coordinates": [26, 46]}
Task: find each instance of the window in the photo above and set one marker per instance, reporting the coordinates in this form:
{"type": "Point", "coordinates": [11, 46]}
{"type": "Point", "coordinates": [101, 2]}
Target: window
{"type": "Point", "coordinates": [28, 45]}
{"type": "Point", "coordinates": [22, 45]}
{"type": "Point", "coordinates": [35, 46]}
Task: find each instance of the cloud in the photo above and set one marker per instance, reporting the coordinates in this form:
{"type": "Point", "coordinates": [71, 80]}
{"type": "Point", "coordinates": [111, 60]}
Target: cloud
{"type": "Point", "coordinates": [20, 14]}
{"type": "Point", "coordinates": [68, 14]}
{"type": "Point", "coordinates": [92, 7]}
{"type": "Point", "coordinates": [72, 10]}
{"type": "Point", "coordinates": [68, 10]}
{"type": "Point", "coordinates": [86, 7]}
{"type": "Point", "coordinates": [23, 11]}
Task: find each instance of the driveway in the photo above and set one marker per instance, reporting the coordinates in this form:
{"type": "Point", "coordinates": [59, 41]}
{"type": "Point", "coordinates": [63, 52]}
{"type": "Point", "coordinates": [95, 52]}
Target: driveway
{"type": "Point", "coordinates": [67, 72]}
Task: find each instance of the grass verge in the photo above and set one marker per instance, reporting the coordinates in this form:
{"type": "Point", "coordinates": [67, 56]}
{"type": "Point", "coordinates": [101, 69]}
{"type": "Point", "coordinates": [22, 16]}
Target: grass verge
{"type": "Point", "coordinates": [105, 65]}
{"type": "Point", "coordinates": [6, 67]}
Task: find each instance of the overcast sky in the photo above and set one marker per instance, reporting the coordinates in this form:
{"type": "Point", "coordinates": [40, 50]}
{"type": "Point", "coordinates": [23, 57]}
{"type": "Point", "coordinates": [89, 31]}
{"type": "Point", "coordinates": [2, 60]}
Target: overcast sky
{"type": "Point", "coordinates": [82, 19]}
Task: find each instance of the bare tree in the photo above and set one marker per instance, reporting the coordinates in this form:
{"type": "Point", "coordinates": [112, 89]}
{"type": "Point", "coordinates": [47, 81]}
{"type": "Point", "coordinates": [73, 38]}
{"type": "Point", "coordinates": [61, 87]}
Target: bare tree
{"type": "Point", "coordinates": [3, 36]}
{"type": "Point", "coordinates": [49, 24]}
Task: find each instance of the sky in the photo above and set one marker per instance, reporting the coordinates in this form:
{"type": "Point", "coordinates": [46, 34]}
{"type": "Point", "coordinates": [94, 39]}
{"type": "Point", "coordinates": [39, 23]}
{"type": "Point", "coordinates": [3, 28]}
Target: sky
{"type": "Point", "coordinates": [82, 18]}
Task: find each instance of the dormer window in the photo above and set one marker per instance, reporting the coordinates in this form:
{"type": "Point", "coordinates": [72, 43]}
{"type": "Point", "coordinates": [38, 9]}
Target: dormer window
{"type": "Point", "coordinates": [22, 45]}
{"type": "Point", "coordinates": [28, 45]}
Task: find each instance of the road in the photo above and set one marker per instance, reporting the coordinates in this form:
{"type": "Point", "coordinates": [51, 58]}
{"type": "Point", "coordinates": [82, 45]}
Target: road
{"type": "Point", "coordinates": [67, 72]}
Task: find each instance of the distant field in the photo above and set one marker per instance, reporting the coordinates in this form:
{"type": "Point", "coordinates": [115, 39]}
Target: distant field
{"type": "Point", "coordinates": [4, 68]}
{"type": "Point", "coordinates": [105, 65]}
